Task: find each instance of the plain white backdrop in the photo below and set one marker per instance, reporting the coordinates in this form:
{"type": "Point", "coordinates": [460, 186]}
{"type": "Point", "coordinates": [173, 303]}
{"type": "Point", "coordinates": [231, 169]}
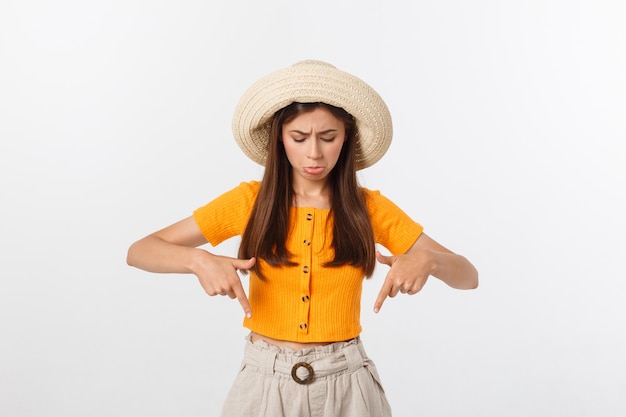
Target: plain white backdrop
{"type": "Point", "coordinates": [509, 147]}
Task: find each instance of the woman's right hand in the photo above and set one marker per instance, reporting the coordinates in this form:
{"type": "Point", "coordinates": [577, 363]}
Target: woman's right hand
{"type": "Point", "coordinates": [218, 276]}
{"type": "Point", "coordinates": [175, 250]}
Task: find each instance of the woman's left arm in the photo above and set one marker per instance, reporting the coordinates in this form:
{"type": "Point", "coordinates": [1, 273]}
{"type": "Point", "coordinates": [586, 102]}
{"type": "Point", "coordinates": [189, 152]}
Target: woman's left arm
{"type": "Point", "coordinates": [408, 272]}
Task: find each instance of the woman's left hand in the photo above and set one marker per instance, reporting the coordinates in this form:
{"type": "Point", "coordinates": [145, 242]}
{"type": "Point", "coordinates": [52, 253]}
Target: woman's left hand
{"type": "Point", "coordinates": [407, 275]}
{"type": "Point", "coordinates": [426, 257]}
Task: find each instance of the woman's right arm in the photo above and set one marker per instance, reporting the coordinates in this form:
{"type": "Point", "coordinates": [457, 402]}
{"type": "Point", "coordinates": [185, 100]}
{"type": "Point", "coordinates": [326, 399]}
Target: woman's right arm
{"type": "Point", "coordinates": [175, 250]}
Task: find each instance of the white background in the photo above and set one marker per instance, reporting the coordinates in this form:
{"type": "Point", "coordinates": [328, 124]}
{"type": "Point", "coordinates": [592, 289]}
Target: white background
{"type": "Point", "coordinates": [509, 147]}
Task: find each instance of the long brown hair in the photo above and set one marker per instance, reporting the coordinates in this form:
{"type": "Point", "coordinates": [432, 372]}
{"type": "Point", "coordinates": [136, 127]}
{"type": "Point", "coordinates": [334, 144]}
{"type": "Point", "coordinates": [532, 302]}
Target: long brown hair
{"type": "Point", "coordinates": [266, 233]}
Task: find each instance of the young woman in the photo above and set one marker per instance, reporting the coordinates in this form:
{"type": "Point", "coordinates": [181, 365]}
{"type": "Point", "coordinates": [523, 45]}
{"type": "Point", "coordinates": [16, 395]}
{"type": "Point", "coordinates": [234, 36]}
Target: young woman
{"type": "Point", "coordinates": [308, 234]}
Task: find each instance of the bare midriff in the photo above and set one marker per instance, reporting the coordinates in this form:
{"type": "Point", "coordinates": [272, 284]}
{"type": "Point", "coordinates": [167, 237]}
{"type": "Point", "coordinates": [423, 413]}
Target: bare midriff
{"type": "Point", "coordinates": [255, 337]}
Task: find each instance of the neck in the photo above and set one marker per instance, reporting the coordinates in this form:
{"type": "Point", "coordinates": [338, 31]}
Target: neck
{"type": "Point", "coordinates": [311, 194]}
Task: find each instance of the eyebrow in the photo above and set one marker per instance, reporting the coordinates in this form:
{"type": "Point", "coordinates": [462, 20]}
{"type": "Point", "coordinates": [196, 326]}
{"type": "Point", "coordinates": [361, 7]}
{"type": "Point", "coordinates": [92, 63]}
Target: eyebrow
{"type": "Point", "coordinates": [323, 132]}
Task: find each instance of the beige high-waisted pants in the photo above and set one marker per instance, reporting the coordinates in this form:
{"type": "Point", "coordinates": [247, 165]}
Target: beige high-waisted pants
{"type": "Point", "coordinates": [336, 380]}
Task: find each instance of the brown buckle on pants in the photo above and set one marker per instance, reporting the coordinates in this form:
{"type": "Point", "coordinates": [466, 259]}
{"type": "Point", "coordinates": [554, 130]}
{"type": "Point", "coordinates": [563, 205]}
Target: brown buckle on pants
{"type": "Point", "coordinates": [295, 376]}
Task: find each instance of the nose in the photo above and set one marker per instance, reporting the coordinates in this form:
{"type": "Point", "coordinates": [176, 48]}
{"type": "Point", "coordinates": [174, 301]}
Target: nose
{"type": "Point", "coordinates": [313, 151]}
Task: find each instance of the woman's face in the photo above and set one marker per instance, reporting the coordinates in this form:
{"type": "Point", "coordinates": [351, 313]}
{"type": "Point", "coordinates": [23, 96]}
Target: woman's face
{"type": "Point", "coordinates": [313, 142]}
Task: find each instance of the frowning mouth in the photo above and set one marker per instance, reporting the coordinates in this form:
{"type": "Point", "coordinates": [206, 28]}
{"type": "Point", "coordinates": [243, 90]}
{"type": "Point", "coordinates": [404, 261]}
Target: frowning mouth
{"type": "Point", "coordinates": [314, 170]}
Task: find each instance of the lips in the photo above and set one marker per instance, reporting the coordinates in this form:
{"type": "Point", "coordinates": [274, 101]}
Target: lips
{"type": "Point", "coordinates": [314, 170]}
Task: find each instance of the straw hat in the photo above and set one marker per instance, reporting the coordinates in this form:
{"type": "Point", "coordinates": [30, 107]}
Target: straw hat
{"type": "Point", "coordinates": [309, 82]}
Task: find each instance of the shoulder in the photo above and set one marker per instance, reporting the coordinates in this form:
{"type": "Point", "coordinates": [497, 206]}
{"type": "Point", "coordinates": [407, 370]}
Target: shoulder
{"type": "Point", "coordinates": [246, 191]}
{"type": "Point", "coordinates": [370, 193]}
{"type": "Point", "coordinates": [226, 215]}
{"type": "Point", "coordinates": [241, 196]}
{"type": "Point", "coordinates": [379, 205]}
{"type": "Point", "coordinates": [373, 198]}
{"type": "Point", "coordinates": [250, 188]}
{"type": "Point", "coordinates": [393, 228]}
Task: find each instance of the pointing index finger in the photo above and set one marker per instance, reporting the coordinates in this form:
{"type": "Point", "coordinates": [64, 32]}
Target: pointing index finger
{"type": "Point", "coordinates": [382, 295]}
{"type": "Point", "coordinates": [243, 300]}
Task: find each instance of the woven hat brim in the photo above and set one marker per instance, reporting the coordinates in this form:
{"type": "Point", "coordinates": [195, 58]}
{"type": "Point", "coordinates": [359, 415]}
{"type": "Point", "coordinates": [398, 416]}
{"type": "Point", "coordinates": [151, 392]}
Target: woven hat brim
{"type": "Point", "coordinates": [309, 82]}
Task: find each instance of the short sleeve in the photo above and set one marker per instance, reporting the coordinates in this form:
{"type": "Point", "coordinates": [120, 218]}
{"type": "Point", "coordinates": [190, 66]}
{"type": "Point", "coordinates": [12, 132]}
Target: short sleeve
{"type": "Point", "coordinates": [227, 215]}
{"type": "Point", "coordinates": [392, 227]}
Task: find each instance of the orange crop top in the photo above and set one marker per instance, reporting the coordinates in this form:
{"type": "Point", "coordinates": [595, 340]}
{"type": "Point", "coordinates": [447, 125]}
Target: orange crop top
{"type": "Point", "coordinates": [307, 302]}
